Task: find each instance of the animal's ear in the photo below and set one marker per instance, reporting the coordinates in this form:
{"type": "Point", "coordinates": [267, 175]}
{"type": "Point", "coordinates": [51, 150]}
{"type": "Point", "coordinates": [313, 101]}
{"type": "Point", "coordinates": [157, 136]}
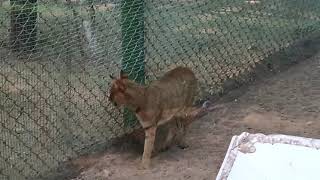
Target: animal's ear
{"type": "Point", "coordinates": [120, 86]}
{"type": "Point", "coordinates": [123, 75]}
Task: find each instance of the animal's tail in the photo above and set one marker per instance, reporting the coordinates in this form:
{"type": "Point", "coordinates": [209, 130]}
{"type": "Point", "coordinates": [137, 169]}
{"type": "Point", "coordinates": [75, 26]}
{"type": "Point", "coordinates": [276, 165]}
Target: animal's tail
{"type": "Point", "coordinates": [196, 113]}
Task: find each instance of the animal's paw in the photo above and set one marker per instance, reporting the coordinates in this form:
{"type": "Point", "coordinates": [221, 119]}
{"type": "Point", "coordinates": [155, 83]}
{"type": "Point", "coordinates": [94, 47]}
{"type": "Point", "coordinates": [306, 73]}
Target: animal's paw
{"type": "Point", "coordinates": [183, 145]}
{"type": "Point", "coordinates": [145, 165]}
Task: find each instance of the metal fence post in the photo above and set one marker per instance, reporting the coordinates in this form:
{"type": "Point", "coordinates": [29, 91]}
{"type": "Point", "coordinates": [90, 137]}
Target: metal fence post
{"type": "Point", "coordinates": [132, 28]}
{"type": "Point", "coordinates": [23, 30]}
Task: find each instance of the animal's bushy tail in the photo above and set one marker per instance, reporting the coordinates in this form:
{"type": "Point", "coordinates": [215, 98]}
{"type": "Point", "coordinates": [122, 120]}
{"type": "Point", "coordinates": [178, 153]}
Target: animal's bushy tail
{"type": "Point", "coordinates": [196, 113]}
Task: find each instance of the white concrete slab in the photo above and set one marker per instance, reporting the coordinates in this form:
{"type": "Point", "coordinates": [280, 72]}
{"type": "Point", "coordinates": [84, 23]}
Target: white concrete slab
{"type": "Point", "coordinates": [271, 157]}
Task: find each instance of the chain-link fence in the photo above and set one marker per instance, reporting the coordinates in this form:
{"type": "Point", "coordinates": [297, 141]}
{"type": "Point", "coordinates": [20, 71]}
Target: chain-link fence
{"type": "Point", "coordinates": [56, 57]}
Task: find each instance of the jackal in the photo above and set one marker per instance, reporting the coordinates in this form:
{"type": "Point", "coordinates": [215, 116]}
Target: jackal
{"type": "Point", "coordinates": [166, 103]}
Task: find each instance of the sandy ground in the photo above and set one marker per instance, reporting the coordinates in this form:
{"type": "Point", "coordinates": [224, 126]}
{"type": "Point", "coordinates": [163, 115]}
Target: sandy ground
{"type": "Point", "coordinates": [286, 103]}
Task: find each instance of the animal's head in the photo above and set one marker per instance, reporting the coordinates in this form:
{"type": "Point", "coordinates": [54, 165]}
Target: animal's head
{"type": "Point", "coordinates": [117, 93]}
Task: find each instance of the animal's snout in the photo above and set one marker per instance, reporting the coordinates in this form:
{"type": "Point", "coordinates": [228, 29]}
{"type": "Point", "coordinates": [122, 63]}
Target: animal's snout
{"type": "Point", "coordinates": [111, 100]}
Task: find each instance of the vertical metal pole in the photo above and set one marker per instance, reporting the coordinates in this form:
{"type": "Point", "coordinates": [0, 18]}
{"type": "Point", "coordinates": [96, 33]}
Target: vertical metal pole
{"type": "Point", "coordinates": [132, 28]}
{"type": "Point", "coordinates": [23, 32]}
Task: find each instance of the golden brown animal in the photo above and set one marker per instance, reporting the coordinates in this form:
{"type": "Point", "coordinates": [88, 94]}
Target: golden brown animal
{"type": "Point", "coordinates": [166, 103]}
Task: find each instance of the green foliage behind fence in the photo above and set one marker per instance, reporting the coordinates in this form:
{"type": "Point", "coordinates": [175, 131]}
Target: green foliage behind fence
{"type": "Point", "coordinates": [56, 57]}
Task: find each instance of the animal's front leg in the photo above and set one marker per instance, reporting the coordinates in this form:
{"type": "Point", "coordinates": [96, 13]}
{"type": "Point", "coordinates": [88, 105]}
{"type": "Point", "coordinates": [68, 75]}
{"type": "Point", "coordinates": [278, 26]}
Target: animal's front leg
{"type": "Point", "coordinates": [150, 135]}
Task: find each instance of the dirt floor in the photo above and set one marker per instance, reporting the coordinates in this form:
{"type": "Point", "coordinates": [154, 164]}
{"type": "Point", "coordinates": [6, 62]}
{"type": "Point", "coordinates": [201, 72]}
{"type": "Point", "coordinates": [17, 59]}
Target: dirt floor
{"type": "Point", "coordinates": [286, 103]}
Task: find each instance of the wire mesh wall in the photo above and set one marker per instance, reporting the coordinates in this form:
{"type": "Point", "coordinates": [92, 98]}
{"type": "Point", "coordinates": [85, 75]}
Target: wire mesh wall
{"type": "Point", "coordinates": [56, 57]}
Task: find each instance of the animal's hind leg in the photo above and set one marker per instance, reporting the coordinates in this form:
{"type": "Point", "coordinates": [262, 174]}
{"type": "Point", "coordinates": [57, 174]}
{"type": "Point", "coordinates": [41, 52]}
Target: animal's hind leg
{"type": "Point", "coordinates": [185, 118]}
{"type": "Point", "coordinates": [164, 137]}
{"type": "Point", "coordinates": [181, 142]}
{"type": "Point", "coordinates": [169, 138]}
